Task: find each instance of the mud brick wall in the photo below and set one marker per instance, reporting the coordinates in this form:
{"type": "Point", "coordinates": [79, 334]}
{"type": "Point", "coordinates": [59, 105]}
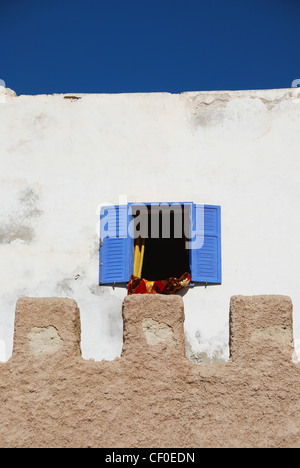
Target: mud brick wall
{"type": "Point", "coordinates": [152, 396]}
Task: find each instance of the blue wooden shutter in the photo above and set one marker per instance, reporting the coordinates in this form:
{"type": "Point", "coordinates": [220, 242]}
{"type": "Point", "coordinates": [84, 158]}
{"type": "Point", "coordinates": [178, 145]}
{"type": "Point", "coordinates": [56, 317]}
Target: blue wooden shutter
{"type": "Point", "coordinates": [116, 247]}
{"type": "Point", "coordinates": [206, 259]}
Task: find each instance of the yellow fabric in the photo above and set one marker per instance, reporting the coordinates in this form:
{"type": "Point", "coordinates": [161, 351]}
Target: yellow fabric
{"type": "Point", "coordinates": [139, 251]}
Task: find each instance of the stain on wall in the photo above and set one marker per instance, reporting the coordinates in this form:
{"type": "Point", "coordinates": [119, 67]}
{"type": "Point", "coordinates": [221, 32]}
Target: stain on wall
{"type": "Point", "coordinates": [19, 224]}
{"type": "Point", "coordinates": [157, 332]}
{"type": "Point", "coordinates": [44, 340]}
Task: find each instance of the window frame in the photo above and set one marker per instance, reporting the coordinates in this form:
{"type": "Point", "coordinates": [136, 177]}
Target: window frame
{"type": "Point", "coordinates": [126, 255]}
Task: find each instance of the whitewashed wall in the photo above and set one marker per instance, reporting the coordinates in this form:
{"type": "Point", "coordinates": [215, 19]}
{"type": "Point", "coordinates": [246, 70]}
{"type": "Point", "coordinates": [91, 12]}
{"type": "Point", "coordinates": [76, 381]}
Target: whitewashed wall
{"type": "Point", "coordinates": [61, 158]}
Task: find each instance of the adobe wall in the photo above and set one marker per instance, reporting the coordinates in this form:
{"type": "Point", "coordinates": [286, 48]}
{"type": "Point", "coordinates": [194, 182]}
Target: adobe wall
{"type": "Point", "coordinates": [152, 396]}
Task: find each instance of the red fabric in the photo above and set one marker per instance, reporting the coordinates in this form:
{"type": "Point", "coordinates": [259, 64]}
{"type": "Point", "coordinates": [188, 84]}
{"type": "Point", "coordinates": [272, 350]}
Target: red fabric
{"type": "Point", "coordinates": [169, 286]}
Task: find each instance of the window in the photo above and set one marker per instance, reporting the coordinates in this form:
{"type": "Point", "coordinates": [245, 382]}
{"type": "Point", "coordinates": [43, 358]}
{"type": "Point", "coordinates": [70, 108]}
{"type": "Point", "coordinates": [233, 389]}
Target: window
{"type": "Point", "coordinates": [165, 255]}
{"type": "Point", "coordinates": [159, 240]}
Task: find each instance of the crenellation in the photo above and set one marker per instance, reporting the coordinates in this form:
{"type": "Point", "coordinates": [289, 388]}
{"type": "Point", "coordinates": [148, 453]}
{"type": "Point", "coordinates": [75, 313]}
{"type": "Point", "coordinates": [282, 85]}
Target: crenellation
{"type": "Point", "coordinates": [152, 396]}
{"type": "Point", "coordinates": [51, 323]}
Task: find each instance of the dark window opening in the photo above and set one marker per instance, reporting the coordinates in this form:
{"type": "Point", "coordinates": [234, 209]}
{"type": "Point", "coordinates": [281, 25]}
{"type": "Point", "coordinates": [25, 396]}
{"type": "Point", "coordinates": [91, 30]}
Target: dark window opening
{"type": "Point", "coordinates": [165, 254]}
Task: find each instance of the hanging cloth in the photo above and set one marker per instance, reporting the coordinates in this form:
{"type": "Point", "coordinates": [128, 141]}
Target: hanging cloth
{"type": "Point", "coordinates": [139, 252]}
{"type": "Point", "coordinates": [137, 285]}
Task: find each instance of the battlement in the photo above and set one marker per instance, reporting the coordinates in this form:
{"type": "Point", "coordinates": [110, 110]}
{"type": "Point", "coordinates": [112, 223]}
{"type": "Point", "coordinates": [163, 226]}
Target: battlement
{"type": "Point", "coordinates": [151, 396]}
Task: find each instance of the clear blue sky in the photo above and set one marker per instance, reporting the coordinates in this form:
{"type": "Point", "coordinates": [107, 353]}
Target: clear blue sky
{"type": "Point", "coordinates": [113, 46]}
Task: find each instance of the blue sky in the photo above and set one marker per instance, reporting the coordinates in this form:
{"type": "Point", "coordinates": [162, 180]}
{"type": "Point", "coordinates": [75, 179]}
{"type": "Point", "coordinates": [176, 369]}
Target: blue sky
{"type": "Point", "coordinates": [115, 46]}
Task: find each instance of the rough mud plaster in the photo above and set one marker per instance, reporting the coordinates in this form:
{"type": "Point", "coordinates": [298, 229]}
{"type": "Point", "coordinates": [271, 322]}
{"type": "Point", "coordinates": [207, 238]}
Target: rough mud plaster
{"type": "Point", "coordinates": [152, 396]}
{"type": "Point", "coordinates": [47, 326]}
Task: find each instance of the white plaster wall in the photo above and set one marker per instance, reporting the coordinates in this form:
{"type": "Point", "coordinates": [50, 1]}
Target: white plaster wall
{"type": "Point", "coordinates": [61, 158]}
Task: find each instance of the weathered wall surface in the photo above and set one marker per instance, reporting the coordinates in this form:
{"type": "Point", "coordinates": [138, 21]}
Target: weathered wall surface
{"type": "Point", "coordinates": [60, 158]}
{"type": "Point", "coordinates": [151, 396]}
